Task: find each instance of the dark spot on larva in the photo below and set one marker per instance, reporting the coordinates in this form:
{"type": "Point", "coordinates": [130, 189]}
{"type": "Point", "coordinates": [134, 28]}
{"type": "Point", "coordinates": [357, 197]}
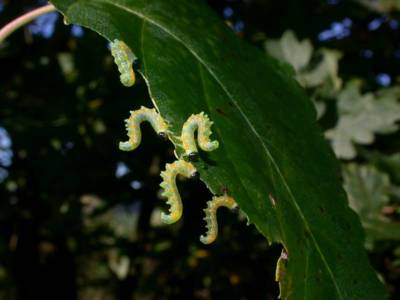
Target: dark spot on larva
{"type": "Point", "coordinates": [236, 209]}
{"type": "Point", "coordinates": [163, 135]}
{"type": "Point", "coordinates": [306, 233]}
{"type": "Point", "coordinates": [220, 111]}
{"type": "Point", "coordinates": [194, 156]}
{"type": "Point", "coordinates": [224, 190]}
{"type": "Point", "coordinates": [230, 103]}
{"type": "Point", "coordinates": [195, 175]}
{"type": "Point", "coordinates": [322, 209]}
{"type": "Point", "coordinates": [136, 64]}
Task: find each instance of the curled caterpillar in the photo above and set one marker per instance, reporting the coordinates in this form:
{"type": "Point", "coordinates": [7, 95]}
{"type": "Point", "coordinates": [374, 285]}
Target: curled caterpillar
{"type": "Point", "coordinates": [124, 58]}
{"type": "Point", "coordinates": [170, 190]}
{"type": "Point", "coordinates": [202, 124]}
{"type": "Point", "coordinates": [211, 216]}
{"type": "Point", "coordinates": [133, 127]}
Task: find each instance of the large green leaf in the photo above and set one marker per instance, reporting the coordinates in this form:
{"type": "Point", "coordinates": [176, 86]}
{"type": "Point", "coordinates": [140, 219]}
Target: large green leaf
{"type": "Point", "coordinates": [272, 157]}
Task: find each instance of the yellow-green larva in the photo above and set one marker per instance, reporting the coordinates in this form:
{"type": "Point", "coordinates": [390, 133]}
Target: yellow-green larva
{"type": "Point", "coordinates": [202, 124]}
{"type": "Point", "coordinates": [280, 273]}
{"type": "Point", "coordinates": [124, 59]}
{"type": "Point", "coordinates": [281, 266]}
{"type": "Point", "coordinates": [170, 190]}
{"type": "Point", "coordinates": [133, 127]}
{"type": "Point", "coordinates": [211, 216]}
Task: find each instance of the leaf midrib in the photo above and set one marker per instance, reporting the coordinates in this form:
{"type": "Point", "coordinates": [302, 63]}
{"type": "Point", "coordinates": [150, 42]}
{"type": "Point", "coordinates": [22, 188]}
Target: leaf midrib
{"type": "Point", "coordinates": [252, 128]}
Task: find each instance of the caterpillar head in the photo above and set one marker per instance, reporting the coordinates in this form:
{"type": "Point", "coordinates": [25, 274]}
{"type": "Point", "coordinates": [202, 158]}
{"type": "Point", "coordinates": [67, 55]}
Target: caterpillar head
{"type": "Point", "coordinates": [163, 135]}
{"type": "Point", "coordinates": [195, 175]}
{"type": "Point", "coordinates": [193, 156]}
{"type": "Point", "coordinates": [136, 64]}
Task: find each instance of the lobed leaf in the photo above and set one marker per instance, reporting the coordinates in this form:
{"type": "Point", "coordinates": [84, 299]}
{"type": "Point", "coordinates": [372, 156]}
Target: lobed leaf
{"type": "Point", "coordinates": [368, 191]}
{"type": "Point", "coordinates": [361, 117]}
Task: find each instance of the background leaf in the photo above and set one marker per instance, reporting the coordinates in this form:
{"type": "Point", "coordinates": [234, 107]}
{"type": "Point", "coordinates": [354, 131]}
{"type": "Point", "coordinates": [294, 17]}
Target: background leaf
{"type": "Point", "coordinates": [368, 191]}
{"type": "Point", "coordinates": [361, 117]}
{"type": "Point", "coordinates": [290, 49]}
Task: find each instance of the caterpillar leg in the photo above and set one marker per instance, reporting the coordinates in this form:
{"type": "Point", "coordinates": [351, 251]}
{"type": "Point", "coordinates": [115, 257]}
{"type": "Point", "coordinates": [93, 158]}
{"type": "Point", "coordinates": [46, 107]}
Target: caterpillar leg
{"type": "Point", "coordinates": [202, 124]}
{"type": "Point", "coordinates": [211, 216]}
{"type": "Point", "coordinates": [124, 59]}
{"type": "Point", "coordinates": [133, 127]}
{"type": "Point", "coordinates": [170, 190]}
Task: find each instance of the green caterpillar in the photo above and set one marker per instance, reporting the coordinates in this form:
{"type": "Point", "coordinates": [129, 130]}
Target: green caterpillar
{"type": "Point", "coordinates": [211, 216]}
{"type": "Point", "coordinates": [124, 59]}
{"type": "Point", "coordinates": [171, 192]}
{"type": "Point", "coordinates": [202, 124]}
{"type": "Point", "coordinates": [133, 127]}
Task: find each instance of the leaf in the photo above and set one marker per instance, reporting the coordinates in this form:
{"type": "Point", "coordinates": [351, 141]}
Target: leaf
{"type": "Point", "coordinates": [299, 55]}
{"type": "Point", "coordinates": [318, 71]}
{"type": "Point", "coordinates": [272, 157]}
{"type": "Point", "coordinates": [368, 191]}
{"type": "Point", "coordinates": [387, 163]}
{"type": "Point", "coordinates": [326, 71]}
{"type": "Point", "coordinates": [361, 117]}
{"type": "Point", "coordinates": [119, 264]}
{"type": "Point", "coordinates": [291, 50]}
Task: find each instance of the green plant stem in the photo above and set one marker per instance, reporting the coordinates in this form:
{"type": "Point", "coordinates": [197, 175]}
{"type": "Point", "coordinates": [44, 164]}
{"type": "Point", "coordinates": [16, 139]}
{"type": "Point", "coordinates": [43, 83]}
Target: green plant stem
{"type": "Point", "coordinates": [23, 20]}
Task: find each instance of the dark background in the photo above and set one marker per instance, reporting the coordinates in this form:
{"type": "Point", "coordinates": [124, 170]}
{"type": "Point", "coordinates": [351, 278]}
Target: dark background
{"type": "Point", "coordinates": [73, 208]}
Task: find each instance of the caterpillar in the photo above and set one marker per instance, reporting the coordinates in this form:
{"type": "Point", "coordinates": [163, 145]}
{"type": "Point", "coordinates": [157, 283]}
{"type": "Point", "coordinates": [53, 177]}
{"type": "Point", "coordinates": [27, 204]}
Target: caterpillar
{"type": "Point", "coordinates": [124, 59]}
{"type": "Point", "coordinates": [170, 190]}
{"type": "Point", "coordinates": [280, 273]}
{"type": "Point", "coordinates": [202, 124]}
{"type": "Point", "coordinates": [133, 127]}
{"type": "Point", "coordinates": [211, 216]}
{"type": "Point", "coordinates": [281, 266]}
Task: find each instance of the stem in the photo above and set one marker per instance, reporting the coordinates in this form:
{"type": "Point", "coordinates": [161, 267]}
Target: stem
{"type": "Point", "coordinates": [23, 20]}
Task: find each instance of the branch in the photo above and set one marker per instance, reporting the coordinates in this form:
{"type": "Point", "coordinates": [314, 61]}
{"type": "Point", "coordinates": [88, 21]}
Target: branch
{"type": "Point", "coordinates": [23, 20]}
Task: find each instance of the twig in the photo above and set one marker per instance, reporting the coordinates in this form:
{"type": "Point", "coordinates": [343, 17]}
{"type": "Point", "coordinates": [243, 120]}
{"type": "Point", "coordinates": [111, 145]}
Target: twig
{"type": "Point", "coordinates": [23, 20]}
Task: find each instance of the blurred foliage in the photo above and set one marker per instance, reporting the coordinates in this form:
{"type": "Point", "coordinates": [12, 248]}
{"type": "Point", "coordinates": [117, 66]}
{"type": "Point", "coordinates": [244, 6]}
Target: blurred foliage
{"type": "Point", "coordinates": [314, 69]}
{"type": "Point", "coordinates": [369, 194]}
{"type": "Point", "coordinates": [361, 117]}
{"type": "Point", "coordinates": [381, 5]}
{"type": "Point", "coordinates": [75, 225]}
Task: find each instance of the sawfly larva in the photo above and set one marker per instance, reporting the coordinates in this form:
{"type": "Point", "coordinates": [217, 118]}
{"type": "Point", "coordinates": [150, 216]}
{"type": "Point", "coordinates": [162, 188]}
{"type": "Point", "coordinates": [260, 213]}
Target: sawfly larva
{"type": "Point", "coordinates": [211, 216]}
{"type": "Point", "coordinates": [124, 59]}
{"type": "Point", "coordinates": [170, 190]}
{"type": "Point", "coordinates": [133, 127]}
{"type": "Point", "coordinates": [202, 124]}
